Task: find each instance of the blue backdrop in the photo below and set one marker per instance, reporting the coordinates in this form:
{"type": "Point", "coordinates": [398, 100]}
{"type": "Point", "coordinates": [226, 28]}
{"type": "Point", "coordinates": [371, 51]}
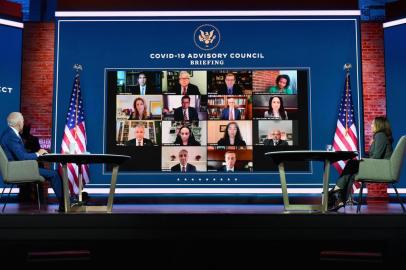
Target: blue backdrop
{"type": "Point", "coordinates": [395, 69]}
{"type": "Point", "coordinates": [321, 45]}
{"type": "Point", "coordinates": [10, 72]}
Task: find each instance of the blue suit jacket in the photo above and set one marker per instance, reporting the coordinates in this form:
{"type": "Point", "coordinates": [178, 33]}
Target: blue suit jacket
{"type": "Point", "coordinates": [225, 113]}
{"type": "Point", "coordinates": [13, 146]}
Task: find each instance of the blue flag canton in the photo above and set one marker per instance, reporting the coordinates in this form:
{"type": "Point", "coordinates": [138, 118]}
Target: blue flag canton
{"type": "Point", "coordinates": [346, 106]}
{"type": "Point", "coordinates": [75, 103]}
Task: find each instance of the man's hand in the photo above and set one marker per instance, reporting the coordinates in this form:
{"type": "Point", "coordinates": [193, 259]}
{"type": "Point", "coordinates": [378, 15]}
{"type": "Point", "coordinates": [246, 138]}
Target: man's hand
{"type": "Point", "coordinates": [42, 152]}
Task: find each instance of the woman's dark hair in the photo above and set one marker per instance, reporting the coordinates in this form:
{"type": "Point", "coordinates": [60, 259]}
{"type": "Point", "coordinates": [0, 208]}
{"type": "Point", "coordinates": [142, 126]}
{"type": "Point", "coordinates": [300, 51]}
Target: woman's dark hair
{"type": "Point", "coordinates": [381, 124]}
{"type": "Point", "coordinates": [191, 140]}
{"type": "Point", "coordinates": [284, 76]}
{"type": "Point", "coordinates": [238, 137]}
{"type": "Point", "coordinates": [282, 111]}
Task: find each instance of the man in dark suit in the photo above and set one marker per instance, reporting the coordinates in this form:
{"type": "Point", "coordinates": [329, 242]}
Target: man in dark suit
{"type": "Point", "coordinates": [183, 166]}
{"type": "Point", "coordinates": [231, 112]}
{"type": "Point", "coordinates": [185, 87]}
{"type": "Point", "coordinates": [230, 159]}
{"type": "Point", "coordinates": [139, 139]}
{"type": "Point", "coordinates": [13, 147]}
{"type": "Point", "coordinates": [230, 88]}
{"type": "Point", "coordinates": [142, 88]}
{"type": "Point", "coordinates": [276, 139]}
{"type": "Point", "coordinates": [185, 112]}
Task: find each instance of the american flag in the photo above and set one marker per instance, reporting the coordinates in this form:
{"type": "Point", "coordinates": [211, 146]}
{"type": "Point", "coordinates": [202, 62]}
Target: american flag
{"type": "Point", "coordinates": [75, 134]}
{"type": "Point", "coordinates": [345, 137]}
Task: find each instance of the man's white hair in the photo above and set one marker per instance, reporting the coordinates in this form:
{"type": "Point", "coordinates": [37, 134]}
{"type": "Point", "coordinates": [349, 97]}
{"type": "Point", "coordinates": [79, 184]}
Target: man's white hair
{"type": "Point", "coordinates": [183, 72]}
{"type": "Point", "coordinates": [14, 118]}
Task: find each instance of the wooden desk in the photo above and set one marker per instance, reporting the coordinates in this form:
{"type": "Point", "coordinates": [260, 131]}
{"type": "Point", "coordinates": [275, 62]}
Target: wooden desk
{"type": "Point", "coordinates": [81, 159]}
{"type": "Point", "coordinates": [327, 157]}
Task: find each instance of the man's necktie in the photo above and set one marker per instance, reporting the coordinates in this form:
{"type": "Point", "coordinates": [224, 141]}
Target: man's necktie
{"type": "Point", "coordinates": [139, 143]}
{"type": "Point", "coordinates": [185, 117]}
{"type": "Point", "coordinates": [275, 143]}
{"type": "Point", "coordinates": [184, 90]}
{"type": "Point", "coordinates": [231, 115]}
{"type": "Point", "coordinates": [230, 91]}
{"type": "Point", "coordinates": [183, 169]}
{"type": "Point", "coordinates": [143, 90]}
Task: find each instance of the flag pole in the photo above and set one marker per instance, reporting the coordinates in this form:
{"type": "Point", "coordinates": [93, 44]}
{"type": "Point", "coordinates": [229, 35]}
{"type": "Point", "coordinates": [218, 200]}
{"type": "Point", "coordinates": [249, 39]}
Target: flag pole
{"type": "Point", "coordinates": [347, 68]}
{"type": "Point", "coordinates": [77, 68]}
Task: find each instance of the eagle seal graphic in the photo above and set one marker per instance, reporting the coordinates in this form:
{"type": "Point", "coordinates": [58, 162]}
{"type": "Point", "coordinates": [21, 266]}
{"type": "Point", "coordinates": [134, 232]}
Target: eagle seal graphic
{"type": "Point", "coordinates": [207, 37]}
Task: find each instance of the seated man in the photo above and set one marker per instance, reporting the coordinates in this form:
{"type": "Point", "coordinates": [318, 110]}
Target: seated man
{"type": "Point", "coordinates": [231, 113]}
{"type": "Point", "coordinates": [230, 88]}
{"type": "Point", "coordinates": [230, 159]}
{"type": "Point", "coordinates": [276, 139]}
{"type": "Point", "coordinates": [13, 147]}
{"type": "Point", "coordinates": [183, 166]}
{"type": "Point", "coordinates": [185, 112]}
{"type": "Point", "coordinates": [142, 87]}
{"type": "Point", "coordinates": [185, 87]}
{"type": "Point", "coordinates": [139, 139]}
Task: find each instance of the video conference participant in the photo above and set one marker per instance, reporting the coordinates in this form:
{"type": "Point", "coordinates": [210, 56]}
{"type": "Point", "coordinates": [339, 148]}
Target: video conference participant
{"type": "Point", "coordinates": [276, 139]}
{"type": "Point", "coordinates": [185, 87]}
{"type": "Point", "coordinates": [183, 166]}
{"type": "Point", "coordinates": [276, 109]}
{"type": "Point", "coordinates": [139, 139]}
{"type": "Point", "coordinates": [185, 137]}
{"type": "Point", "coordinates": [282, 85]}
{"type": "Point", "coordinates": [142, 88]}
{"type": "Point", "coordinates": [140, 110]}
{"type": "Point", "coordinates": [185, 112]}
{"type": "Point", "coordinates": [232, 136]}
{"type": "Point", "coordinates": [230, 88]}
{"type": "Point", "coordinates": [230, 159]}
{"type": "Point", "coordinates": [231, 112]}
{"type": "Point", "coordinates": [13, 147]}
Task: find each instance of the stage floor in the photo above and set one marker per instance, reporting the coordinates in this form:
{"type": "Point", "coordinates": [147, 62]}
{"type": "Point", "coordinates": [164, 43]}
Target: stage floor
{"type": "Point", "coordinates": [377, 208]}
{"type": "Point", "coordinates": [208, 235]}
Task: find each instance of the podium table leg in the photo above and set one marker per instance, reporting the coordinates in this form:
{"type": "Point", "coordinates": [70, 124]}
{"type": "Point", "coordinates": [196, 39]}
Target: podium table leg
{"type": "Point", "coordinates": [112, 188]}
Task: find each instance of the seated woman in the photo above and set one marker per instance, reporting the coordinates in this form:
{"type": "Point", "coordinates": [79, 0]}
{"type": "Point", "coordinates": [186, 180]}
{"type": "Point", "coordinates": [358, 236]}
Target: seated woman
{"type": "Point", "coordinates": [232, 136]}
{"type": "Point", "coordinates": [282, 85]}
{"type": "Point", "coordinates": [185, 137]}
{"type": "Point", "coordinates": [276, 109]}
{"type": "Point", "coordinates": [381, 148]}
{"type": "Point", "coordinates": [140, 110]}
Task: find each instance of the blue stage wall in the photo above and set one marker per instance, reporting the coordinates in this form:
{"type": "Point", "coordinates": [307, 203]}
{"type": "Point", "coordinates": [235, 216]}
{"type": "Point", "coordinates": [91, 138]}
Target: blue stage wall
{"type": "Point", "coordinates": [10, 72]}
{"type": "Point", "coordinates": [321, 45]}
{"type": "Point", "coordinates": [395, 69]}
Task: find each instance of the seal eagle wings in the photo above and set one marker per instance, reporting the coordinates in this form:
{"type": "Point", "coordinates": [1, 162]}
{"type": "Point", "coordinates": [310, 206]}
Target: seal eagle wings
{"type": "Point", "coordinates": [207, 37]}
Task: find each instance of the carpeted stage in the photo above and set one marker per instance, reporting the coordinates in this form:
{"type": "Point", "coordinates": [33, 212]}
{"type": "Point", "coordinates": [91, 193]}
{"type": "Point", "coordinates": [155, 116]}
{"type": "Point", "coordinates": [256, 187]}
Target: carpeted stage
{"type": "Point", "coordinates": [203, 235]}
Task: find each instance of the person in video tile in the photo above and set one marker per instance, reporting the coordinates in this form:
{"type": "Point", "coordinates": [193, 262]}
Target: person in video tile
{"type": "Point", "coordinates": [230, 88]}
{"type": "Point", "coordinates": [183, 166]}
{"type": "Point", "coordinates": [185, 112]}
{"type": "Point", "coordinates": [185, 137]}
{"type": "Point", "coordinates": [139, 139]}
{"type": "Point", "coordinates": [230, 159]}
{"type": "Point", "coordinates": [276, 110]}
{"type": "Point", "coordinates": [276, 139]}
{"type": "Point", "coordinates": [185, 87]}
{"type": "Point", "coordinates": [232, 136]}
{"type": "Point", "coordinates": [140, 110]}
{"type": "Point", "coordinates": [282, 85]}
{"type": "Point", "coordinates": [231, 112]}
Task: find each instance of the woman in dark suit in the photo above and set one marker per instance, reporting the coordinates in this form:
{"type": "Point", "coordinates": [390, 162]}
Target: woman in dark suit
{"type": "Point", "coordinates": [185, 137]}
{"type": "Point", "coordinates": [140, 110]}
{"type": "Point", "coordinates": [232, 136]}
{"type": "Point", "coordinates": [381, 148]}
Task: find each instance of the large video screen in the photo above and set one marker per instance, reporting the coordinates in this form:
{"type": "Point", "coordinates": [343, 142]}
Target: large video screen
{"type": "Point", "coordinates": [184, 121]}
